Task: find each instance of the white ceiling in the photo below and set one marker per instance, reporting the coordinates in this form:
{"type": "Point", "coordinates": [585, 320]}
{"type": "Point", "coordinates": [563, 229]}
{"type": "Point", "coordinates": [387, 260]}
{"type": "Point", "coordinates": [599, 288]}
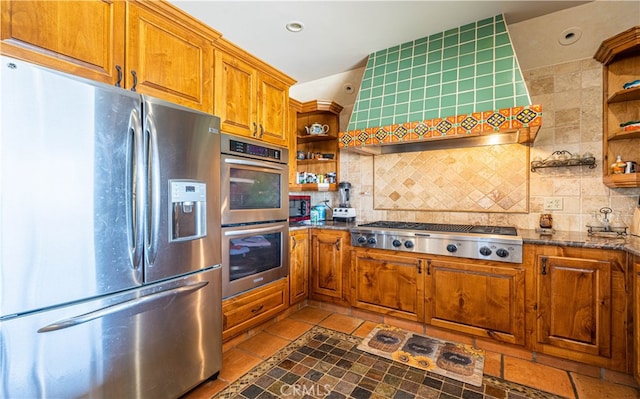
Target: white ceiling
{"type": "Point", "coordinates": [339, 35]}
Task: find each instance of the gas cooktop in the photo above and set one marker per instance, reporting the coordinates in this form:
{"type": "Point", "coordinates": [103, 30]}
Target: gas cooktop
{"type": "Point", "coordinates": [446, 228]}
{"type": "Point", "coordinates": [496, 243]}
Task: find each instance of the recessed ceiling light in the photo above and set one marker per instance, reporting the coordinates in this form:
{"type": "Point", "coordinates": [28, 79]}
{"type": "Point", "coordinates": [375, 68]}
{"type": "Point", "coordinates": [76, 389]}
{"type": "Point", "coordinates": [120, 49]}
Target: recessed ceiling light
{"type": "Point", "coordinates": [570, 36]}
{"type": "Point", "coordinates": [294, 26]}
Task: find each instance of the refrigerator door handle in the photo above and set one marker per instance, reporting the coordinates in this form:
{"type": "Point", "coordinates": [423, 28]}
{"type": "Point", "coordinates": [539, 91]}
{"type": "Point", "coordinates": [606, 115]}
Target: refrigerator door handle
{"type": "Point", "coordinates": [136, 189]}
{"type": "Point", "coordinates": [154, 186]}
{"type": "Point", "coordinates": [132, 306]}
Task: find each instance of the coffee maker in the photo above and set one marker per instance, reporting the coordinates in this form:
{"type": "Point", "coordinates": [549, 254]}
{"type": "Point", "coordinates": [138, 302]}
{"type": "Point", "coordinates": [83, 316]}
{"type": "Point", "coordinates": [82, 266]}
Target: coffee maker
{"type": "Point", "coordinates": [344, 212]}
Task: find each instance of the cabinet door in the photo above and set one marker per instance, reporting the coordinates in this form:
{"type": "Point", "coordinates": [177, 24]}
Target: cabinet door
{"type": "Point", "coordinates": [170, 61]}
{"type": "Point", "coordinates": [388, 284]}
{"type": "Point", "coordinates": [299, 266]}
{"type": "Point", "coordinates": [84, 38]}
{"type": "Point", "coordinates": [636, 314]}
{"type": "Point", "coordinates": [327, 263]}
{"type": "Point", "coordinates": [273, 105]}
{"type": "Point", "coordinates": [476, 298]}
{"type": "Point", "coordinates": [574, 304]}
{"type": "Point", "coordinates": [235, 95]}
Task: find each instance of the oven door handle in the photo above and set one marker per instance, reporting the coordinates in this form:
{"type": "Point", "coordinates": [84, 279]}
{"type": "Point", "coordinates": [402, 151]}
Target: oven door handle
{"type": "Point", "coordinates": [253, 163]}
{"type": "Point", "coordinates": [251, 231]}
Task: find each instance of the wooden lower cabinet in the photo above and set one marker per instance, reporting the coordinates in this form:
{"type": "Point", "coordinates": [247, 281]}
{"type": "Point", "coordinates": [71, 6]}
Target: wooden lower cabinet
{"type": "Point", "coordinates": [476, 297]}
{"type": "Point", "coordinates": [634, 265]}
{"type": "Point", "coordinates": [246, 310]}
{"type": "Point", "coordinates": [329, 266]}
{"type": "Point", "coordinates": [387, 284]}
{"type": "Point", "coordinates": [298, 265]}
{"type": "Point", "coordinates": [580, 310]}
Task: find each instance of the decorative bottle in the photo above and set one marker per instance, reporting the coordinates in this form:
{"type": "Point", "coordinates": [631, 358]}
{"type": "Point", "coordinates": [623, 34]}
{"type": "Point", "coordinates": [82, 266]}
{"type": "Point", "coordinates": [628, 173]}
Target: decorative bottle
{"type": "Point", "coordinates": [618, 166]}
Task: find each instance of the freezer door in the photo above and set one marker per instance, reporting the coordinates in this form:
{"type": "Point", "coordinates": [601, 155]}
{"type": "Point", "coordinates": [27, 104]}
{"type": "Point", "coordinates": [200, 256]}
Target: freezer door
{"type": "Point", "coordinates": [184, 189]}
{"type": "Point", "coordinates": [156, 342]}
{"type": "Point", "coordinates": [66, 176]}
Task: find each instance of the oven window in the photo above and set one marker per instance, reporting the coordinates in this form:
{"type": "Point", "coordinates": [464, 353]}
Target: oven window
{"type": "Point", "coordinates": [250, 189]}
{"type": "Point", "coordinates": [254, 254]}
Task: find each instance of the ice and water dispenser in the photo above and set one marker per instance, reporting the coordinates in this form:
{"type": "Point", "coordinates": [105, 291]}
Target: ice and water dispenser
{"type": "Point", "coordinates": [188, 210]}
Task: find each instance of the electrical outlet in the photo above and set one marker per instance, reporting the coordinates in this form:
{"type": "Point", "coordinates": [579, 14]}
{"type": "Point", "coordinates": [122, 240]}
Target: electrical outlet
{"type": "Point", "coordinates": [553, 204]}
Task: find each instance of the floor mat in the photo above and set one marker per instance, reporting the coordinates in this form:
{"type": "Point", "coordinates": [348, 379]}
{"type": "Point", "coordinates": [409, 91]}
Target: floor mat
{"type": "Point", "coordinates": [458, 361]}
{"type": "Point", "coordinates": [323, 363]}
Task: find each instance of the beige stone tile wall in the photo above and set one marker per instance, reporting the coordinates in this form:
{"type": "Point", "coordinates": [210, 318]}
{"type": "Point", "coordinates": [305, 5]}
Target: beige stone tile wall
{"type": "Point", "coordinates": [571, 96]}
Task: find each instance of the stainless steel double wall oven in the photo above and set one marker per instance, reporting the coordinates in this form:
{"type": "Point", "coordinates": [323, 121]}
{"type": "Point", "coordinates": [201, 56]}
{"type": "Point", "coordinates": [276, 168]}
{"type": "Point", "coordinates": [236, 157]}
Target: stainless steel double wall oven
{"type": "Point", "coordinates": [255, 212]}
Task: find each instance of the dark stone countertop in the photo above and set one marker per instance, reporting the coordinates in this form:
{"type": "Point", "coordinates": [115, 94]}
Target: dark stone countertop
{"type": "Point", "coordinates": [579, 239]}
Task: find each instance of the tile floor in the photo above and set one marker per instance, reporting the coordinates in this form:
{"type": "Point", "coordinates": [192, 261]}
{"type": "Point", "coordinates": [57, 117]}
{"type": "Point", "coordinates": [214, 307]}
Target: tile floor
{"type": "Point", "coordinates": [240, 358]}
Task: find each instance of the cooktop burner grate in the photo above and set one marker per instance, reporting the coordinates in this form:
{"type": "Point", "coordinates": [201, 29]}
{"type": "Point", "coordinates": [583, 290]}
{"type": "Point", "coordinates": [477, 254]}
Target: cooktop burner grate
{"type": "Point", "coordinates": [442, 227]}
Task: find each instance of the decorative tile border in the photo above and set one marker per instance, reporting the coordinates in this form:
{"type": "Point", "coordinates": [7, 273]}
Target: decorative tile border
{"type": "Point", "coordinates": [473, 124]}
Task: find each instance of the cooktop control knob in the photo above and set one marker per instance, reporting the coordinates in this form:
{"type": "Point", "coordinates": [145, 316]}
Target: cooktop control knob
{"type": "Point", "coordinates": [362, 239]}
{"type": "Point", "coordinates": [503, 253]}
{"type": "Point", "coordinates": [452, 248]}
{"type": "Point", "coordinates": [408, 244]}
{"type": "Point", "coordinates": [371, 240]}
{"type": "Point", "coordinates": [397, 243]}
{"type": "Point", "coordinates": [486, 251]}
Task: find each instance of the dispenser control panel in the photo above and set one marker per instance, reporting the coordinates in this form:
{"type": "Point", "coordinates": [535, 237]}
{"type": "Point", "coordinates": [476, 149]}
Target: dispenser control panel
{"type": "Point", "coordinates": [187, 210]}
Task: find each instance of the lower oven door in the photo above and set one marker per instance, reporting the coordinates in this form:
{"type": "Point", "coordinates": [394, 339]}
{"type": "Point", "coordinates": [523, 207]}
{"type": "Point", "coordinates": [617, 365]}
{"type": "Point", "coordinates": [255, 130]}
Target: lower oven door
{"type": "Point", "coordinates": [253, 255]}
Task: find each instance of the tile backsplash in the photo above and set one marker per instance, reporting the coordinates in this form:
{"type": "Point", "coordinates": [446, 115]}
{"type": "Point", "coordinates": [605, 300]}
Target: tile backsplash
{"type": "Point", "coordinates": [481, 179]}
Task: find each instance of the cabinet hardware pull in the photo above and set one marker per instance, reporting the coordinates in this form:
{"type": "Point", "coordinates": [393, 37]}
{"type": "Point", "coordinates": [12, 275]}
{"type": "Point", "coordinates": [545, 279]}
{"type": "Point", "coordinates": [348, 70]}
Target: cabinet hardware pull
{"type": "Point", "coordinates": [420, 266]}
{"type": "Point", "coordinates": [119, 69]}
{"type": "Point", "coordinates": [295, 243]}
{"type": "Point", "coordinates": [261, 131]}
{"type": "Point", "coordinates": [428, 267]}
{"type": "Point", "coordinates": [256, 310]}
{"type": "Point", "coordinates": [255, 130]}
{"type": "Point", "coordinates": [544, 266]}
{"type": "Point", "coordinates": [135, 80]}
{"type": "Point", "coordinates": [338, 244]}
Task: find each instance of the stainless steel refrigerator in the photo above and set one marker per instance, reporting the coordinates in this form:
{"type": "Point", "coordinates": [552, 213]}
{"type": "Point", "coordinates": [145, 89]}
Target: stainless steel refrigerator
{"type": "Point", "coordinates": [110, 280]}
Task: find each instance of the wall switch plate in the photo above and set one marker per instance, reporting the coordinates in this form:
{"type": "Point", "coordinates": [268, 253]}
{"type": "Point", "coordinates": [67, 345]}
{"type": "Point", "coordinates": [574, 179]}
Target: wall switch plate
{"type": "Point", "coordinates": [553, 204]}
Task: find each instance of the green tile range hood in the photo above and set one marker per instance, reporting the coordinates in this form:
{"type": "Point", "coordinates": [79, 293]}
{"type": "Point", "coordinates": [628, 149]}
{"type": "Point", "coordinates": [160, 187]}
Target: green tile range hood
{"type": "Point", "coordinates": [458, 88]}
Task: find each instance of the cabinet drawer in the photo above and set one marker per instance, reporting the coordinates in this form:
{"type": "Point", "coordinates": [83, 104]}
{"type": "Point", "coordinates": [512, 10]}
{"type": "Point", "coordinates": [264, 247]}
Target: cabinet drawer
{"type": "Point", "coordinates": [241, 312]}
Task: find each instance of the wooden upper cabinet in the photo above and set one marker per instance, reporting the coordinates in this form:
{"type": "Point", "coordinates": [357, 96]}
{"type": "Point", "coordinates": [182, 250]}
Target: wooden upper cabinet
{"type": "Point", "coordinates": [252, 99]}
{"type": "Point", "coordinates": [273, 106]}
{"type": "Point", "coordinates": [235, 95]}
{"type": "Point", "coordinates": [170, 52]}
{"type": "Point", "coordinates": [84, 38]}
{"type": "Point", "coordinates": [171, 60]}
